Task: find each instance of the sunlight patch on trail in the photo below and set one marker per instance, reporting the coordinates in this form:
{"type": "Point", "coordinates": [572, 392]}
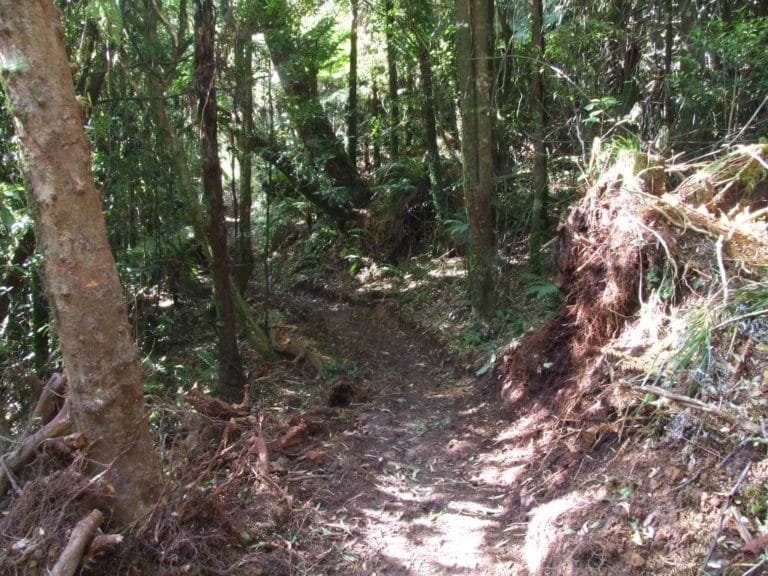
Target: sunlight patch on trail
{"type": "Point", "coordinates": [450, 540]}
{"type": "Point", "coordinates": [544, 530]}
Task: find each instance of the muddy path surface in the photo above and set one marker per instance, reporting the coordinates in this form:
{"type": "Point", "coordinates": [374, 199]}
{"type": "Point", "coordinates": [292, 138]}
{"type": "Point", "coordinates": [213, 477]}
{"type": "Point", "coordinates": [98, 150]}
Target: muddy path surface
{"type": "Point", "coordinates": [415, 481]}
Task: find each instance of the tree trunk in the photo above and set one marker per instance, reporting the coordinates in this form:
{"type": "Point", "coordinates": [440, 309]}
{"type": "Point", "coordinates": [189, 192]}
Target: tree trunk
{"type": "Point", "coordinates": [473, 27]}
{"type": "Point", "coordinates": [244, 259]}
{"type": "Point", "coordinates": [139, 25]}
{"type": "Point", "coordinates": [375, 109]}
{"type": "Point", "coordinates": [669, 42]}
{"type": "Point", "coordinates": [99, 355]}
{"type": "Point", "coordinates": [392, 82]}
{"type": "Point", "coordinates": [421, 17]}
{"type": "Point", "coordinates": [538, 214]}
{"type": "Point", "coordinates": [93, 67]}
{"type": "Point", "coordinates": [231, 377]}
{"type": "Point", "coordinates": [352, 103]}
{"type": "Point", "coordinates": [430, 134]}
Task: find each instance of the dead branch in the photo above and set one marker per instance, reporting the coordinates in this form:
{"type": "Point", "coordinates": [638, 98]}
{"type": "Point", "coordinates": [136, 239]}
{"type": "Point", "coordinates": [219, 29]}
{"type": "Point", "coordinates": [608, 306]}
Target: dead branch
{"type": "Point", "coordinates": [742, 423]}
{"type": "Point", "coordinates": [215, 408]}
{"type": "Point", "coordinates": [103, 542]}
{"type": "Point", "coordinates": [53, 391]}
{"type": "Point", "coordinates": [67, 444]}
{"type": "Point", "coordinates": [14, 461]}
{"type": "Point", "coordinates": [723, 512]}
{"type": "Point", "coordinates": [81, 537]}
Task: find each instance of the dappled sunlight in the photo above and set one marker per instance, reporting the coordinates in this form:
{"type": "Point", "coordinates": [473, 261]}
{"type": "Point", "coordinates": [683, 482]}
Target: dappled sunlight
{"type": "Point", "coordinates": [448, 268]}
{"type": "Point", "coordinates": [545, 530]}
{"type": "Point", "coordinates": [525, 426]}
{"type": "Point", "coordinates": [449, 535]}
{"type": "Point", "coordinates": [499, 468]}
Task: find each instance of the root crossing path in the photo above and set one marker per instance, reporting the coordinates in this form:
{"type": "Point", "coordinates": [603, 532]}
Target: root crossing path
{"type": "Point", "coordinates": [415, 482]}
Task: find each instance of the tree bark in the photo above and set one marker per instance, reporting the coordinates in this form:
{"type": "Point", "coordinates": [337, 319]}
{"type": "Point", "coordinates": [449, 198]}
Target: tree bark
{"type": "Point", "coordinates": [473, 25]}
{"type": "Point", "coordinates": [538, 214]}
{"type": "Point", "coordinates": [392, 81]}
{"type": "Point", "coordinates": [244, 259]}
{"type": "Point", "coordinates": [430, 134]}
{"type": "Point", "coordinates": [352, 102]}
{"type": "Point", "coordinates": [231, 377]}
{"type": "Point", "coordinates": [99, 354]}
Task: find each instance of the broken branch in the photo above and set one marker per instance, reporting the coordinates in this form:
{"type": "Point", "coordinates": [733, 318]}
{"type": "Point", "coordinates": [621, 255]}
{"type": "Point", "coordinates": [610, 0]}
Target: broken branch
{"type": "Point", "coordinates": [81, 536]}
{"type": "Point", "coordinates": [14, 461]}
{"type": "Point", "coordinates": [742, 423]}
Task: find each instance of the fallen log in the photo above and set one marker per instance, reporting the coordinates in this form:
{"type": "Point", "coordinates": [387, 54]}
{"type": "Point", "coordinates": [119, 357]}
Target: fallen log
{"type": "Point", "coordinates": [81, 537]}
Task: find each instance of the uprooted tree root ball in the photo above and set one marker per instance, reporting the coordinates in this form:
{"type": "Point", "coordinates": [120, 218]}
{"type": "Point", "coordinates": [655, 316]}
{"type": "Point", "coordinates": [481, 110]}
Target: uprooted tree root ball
{"type": "Point", "coordinates": [653, 373]}
{"type": "Point", "coordinates": [612, 241]}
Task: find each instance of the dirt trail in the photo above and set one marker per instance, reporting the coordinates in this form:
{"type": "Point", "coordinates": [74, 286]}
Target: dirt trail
{"type": "Point", "coordinates": [414, 483]}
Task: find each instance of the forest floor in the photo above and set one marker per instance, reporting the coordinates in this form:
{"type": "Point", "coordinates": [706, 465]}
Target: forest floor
{"type": "Point", "coordinates": [415, 481]}
{"type": "Point", "coordinates": [427, 472]}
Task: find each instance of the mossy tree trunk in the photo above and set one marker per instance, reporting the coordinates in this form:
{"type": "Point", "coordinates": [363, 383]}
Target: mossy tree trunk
{"type": "Point", "coordinates": [352, 98]}
{"type": "Point", "coordinates": [100, 357]}
{"type": "Point", "coordinates": [538, 208]}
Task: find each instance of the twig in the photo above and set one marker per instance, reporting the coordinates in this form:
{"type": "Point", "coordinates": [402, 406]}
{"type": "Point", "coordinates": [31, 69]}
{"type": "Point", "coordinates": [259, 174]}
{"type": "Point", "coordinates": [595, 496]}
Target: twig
{"type": "Point", "coordinates": [663, 244]}
{"type": "Point", "coordinates": [723, 512]}
{"type": "Point", "coordinates": [103, 542]}
{"type": "Point", "coordinates": [9, 475]}
{"type": "Point", "coordinates": [723, 277]}
{"type": "Point", "coordinates": [54, 388]}
{"type": "Point", "coordinates": [751, 118]}
{"type": "Point", "coordinates": [81, 536]}
{"type": "Point", "coordinates": [744, 532]}
{"type": "Point", "coordinates": [756, 567]}
{"type": "Point", "coordinates": [742, 317]}
{"type": "Point", "coordinates": [744, 424]}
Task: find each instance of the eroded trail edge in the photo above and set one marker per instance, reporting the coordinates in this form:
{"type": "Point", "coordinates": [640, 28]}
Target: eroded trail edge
{"type": "Point", "coordinates": [414, 482]}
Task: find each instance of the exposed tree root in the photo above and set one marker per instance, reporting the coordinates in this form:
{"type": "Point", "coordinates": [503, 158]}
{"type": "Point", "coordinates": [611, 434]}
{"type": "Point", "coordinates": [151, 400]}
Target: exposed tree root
{"type": "Point", "coordinates": [81, 537]}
